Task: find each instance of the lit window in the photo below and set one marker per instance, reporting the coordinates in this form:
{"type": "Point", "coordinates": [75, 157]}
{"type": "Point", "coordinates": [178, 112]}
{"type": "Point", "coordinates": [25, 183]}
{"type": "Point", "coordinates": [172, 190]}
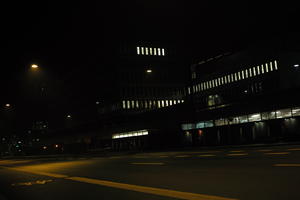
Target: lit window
{"type": "Point", "coordinates": [296, 111]}
{"type": "Point", "coordinates": [182, 101]}
{"type": "Point", "coordinates": [213, 83]}
{"type": "Point", "coordinates": [222, 80]}
{"type": "Point", "coordinates": [154, 51]}
{"type": "Point", "coordinates": [262, 69]}
{"type": "Point", "coordinates": [178, 101]}
{"type": "Point", "coordinates": [138, 50]}
{"type": "Point", "coordinates": [163, 51]}
{"type": "Point", "coordinates": [146, 104]}
{"type": "Point", "coordinates": [210, 85]}
{"type": "Point", "coordinates": [162, 103]}
{"type": "Point", "coordinates": [207, 85]}
{"type": "Point", "coordinates": [250, 72]}
{"type": "Point", "coordinates": [124, 104]}
{"type": "Point", "coordinates": [258, 70]}
{"type": "Point", "coordinates": [158, 104]}
{"type": "Point", "coordinates": [170, 102]}
{"type": "Point", "coordinates": [216, 82]}
{"type": "Point", "coordinates": [235, 76]}
{"type": "Point", "coordinates": [232, 78]}
{"type": "Point", "coordinates": [225, 79]}
{"type": "Point", "coordinates": [254, 71]}
{"type": "Point", "coordinates": [167, 103]}
{"type": "Point", "coordinates": [174, 102]}
{"type": "Point", "coordinates": [228, 78]}
{"type": "Point", "coordinates": [137, 104]}
{"type": "Point", "coordinates": [150, 104]}
{"type": "Point", "coordinates": [246, 73]}
{"type": "Point", "coordinates": [146, 49]}
{"type": "Point", "coordinates": [132, 104]}
{"type": "Point", "coordinates": [243, 74]}
{"type": "Point", "coordinates": [158, 51]}
{"type": "Point", "coordinates": [271, 66]}
{"type": "Point", "coordinates": [189, 90]}
{"type": "Point", "coordinates": [150, 49]}
{"type": "Point", "coordinates": [201, 86]}
{"type": "Point", "coordinates": [128, 104]}
{"type": "Point", "coordinates": [283, 113]}
{"type": "Point", "coordinates": [239, 75]}
{"type": "Point", "coordinates": [267, 68]}
{"type": "Point", "coordinates": [142, 48]}
{"type": "Point", "coordinates": [275, 65]}
{"type": "Point", "coordinates": [254, 117]}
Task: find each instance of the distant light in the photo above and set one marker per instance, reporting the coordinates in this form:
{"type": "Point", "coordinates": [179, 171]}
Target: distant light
{"type": "Point", "coordinates": [68, 116]}
{"type": "Point", "coordinates": [56, 146]}
{"type": "Point", "coordinates": [97, 102]}
{"type": "Point", "coordinates": [37, 139]}
{"type": "Point", "coordinates": [19, 142]}
{"type": "Point", "coordinates": [3, 139]}
{"type": "Point", "coordinates": [246, 91]}
{"type": "Point", "coordinates": [296, 65]}
{"type": "Point", "coordinates": [44, 147]}
{"type": "Point", "coordinates": [34, 66]}
{"type": "Point", "coordinates": [149, 70]}
{"type": "Point", "coordinates": [7, 105]}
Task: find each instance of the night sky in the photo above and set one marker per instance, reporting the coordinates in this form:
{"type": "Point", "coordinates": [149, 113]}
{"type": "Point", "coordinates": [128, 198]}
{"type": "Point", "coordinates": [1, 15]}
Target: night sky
{"type": "Point", "coordinates": [64, 38]}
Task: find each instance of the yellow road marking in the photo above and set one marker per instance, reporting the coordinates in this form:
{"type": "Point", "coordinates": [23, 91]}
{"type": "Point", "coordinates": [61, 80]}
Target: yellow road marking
{"type": "Point", "coordinates": [287, 165]}
{"type": "Point", "coordinates": [206, 155]}
{"type": "Point", "coordinates": [40, 182]}
{"type": "Point", "coordinates": [182, 156]}
{"type": "Point", "coordinates": [265, 150]}
{"type": "Point", "coordinates": [277, 153]}
{"type": "Point", "coordinates": [137, 188]}
{"type": "Point", "coordinates": [149, 190]}
{"type": "Point", "coordinates": [294, 149]}
{"type": "Point", "coordinates": [237, 151]}
{"type": "Point", "coordinates": [156, 163]}
{"type": "Point", "coordinates": [237, 154]}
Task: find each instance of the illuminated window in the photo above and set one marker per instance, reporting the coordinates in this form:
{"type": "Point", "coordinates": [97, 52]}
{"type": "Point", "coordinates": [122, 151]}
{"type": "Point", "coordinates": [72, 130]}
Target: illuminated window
{"type": "Point", "coordinates": [210, 85]}
{"type": "Point", "coordinates": [228, 78]}
{"type": "Point", "coordinates": [167, 103]}
{"type": "Point", "coordinates": [232, 78]}
{"type": "Point", "coordinates": [271, 66]}
{"type": "Point", "coordinates": [239, 75]}
{"type": "Point", "coordinates": [124, 104]}
{"type": "Point", "coordinates": [296, 111]}
{"type": "Point", "coordinates": [235, 76]}
{"type": "Point", "coordinates": [142, 49]}
{"type": "Point", "coordinates": [243, 74]}
{"type": "Point", "coordinates": [207, 86]}
{"type": "Point", "coordinates": [246, 73]}
{"type": "Point", "coordinates": [146, 49]}
{"type": "Point", "coordinates": [250, 72]}
{"type": "Point", "coordinates": [154, 51]}
{"type": "Point", "coordinates": [254, 71]}
{"type": "Point", "coordinates": [225, 79]}
{"type": "Point", "coordinates": [128, 104]}
{"type": "Point", "coordinates": [158, 104]}
{"type": "Point", "coordinates": [189, 90]}
{"type": "Point", "coordinates": [201, 85]}
{"type": "Point", "coordinates": [138, 50]}
{"type": "Point", "coordinates": [216, 82]}
{"type": "Point", "coordinates": [132, 104]}
{"type": "Point", "coordinates": [174, 102]}
{"type": "Point", "coordinates": [254, 117]}
{"type": "Point", "coordinates": [258, 70]}
{"type": "Point", "coordinates": [162, 103]}
{"type": "Point", "coordinates": [222, 80]}
{"type": "Point", "coordinates": [267, 68]}
{"type": "Point", "coordinates": [150, 49]}
{"type": "Point", "coordinates": [262, 69]}
{"type": "Point", "coordinates": [275, 65]}
{"type": "Point", "coordinates": [158, 51]}
{"type": "Point", "coordinates": [219, 81]}
{"type": "Point", "coordinates": [283, 113]}
{"type": "Point", "coordinates": [163, 51]}
{"type": "Point", "coordinates": [146, 104]}
{"type": "Point", "coordinates": [182, 101]}
{"type": "Point", "coordinates": [150, 104]}
{"type": "Point", "coordinates": [137, 104]}
{"type": "Point", "coordinates": [170, 102]}
{"type": "Point", "coordinates": [213, 83]}
{"type": "Point", "coordinates": [178, 101]}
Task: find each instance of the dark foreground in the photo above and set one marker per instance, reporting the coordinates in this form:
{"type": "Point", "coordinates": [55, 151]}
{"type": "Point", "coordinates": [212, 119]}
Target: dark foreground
{"type": "Point", "coordinates": [247, 173]}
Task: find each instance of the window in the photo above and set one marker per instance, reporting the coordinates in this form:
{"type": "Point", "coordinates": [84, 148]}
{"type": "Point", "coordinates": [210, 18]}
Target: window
{"type": "Point", "coordinates": [296, 111]}
{"type": "Point", "coordinates": [267, 68]}
{"type": "Point", "coordinates": [182, 101]}
{"type": "Point", "coordinates": [246, 73]}
{"type": "Point", "coordinates": [250, 72]}
{"type": "Point", "coordinates": [210, 84]}
{"type": "Point", "coordinates": [220, 122]}
{"type": "Point", "coordinates": [268, 115]}
{"type": "Point", "coordinates": [163, 51]}
{"type": "Point", "coordinates": [228, 77]}
{"type": "Point", "coordinates": [137, 104]}
{"type": "Point", "coordinates": [222, 80]}
{"type": "Point", "coordinates": [243, 119]}
{"type": "Point", "coordinates": [132, 104]}
{"type": "Point", "coordinates": [158, 51]}
{"type": "Point", "coordinates": [150, 51]}
{"type": "Point", "coordinates": [275, 65]}
{"type": "Point", "coordinates": [254, 72]}
{"type": "Point", "coordinates": [243, 74]}
{"type": "Point", "coordinates": [258, 70]}
{"type": "Point", "coordinates": [170, 102]}
{"type": "Point", "coordinates": [200, 125]}
{"type": "Point", "coordinates": [150, 104]}
{"type": "Point", "coordinates": [207, 84]}
{"type": "Point", "coordinates": [128, 104]}
{"type": "Point", "coordinates": [234, 120]}
{"type": "Point", "coordinates": [262, 69]}
{"type": "Point", "coordinates": [178, 101]}
{"type": "Point", "coordinates": [204, 86]}
{"type": "Point", "coordinates": [174, 102]}
{"type": "Point", "coordinates": [232, 77]}
{"type": "Point", "coordinates": [201, 86]}
{"type": "Point", "coordinates": [142, 48]}
{"type": "Point", "coordinates": [162, 103]}
{"type": "Point", "coordinates": [187, 126]}
{"type": "Point", "coordinates": [138, 50]}
{"type": "Point", "coordinates": [146, 104]}
{"type": "Point", "coordinates": [158, 103]}
{"type": "Point", "coordinates": [271, 66]}
{"type": "Point", "coordinates": [124, 104]}
{"type": "Point", "coordinates": [219, 81]}
{"type": "Point", "coordinates": [189, 90]}
{"type": "Point", "coordinates": [154, 51]}
{"type": "Point", "coordinates": [239, 75]}
{"type": "Point", "coordinates": [167, 103]}
{"type": "Point", "coordinates": [254, 117]}
{"type": "Point", "coordinates": [283, 113]}
{"type": "Point", "coordinates": [216, 82]}
{"type": "Point", "coordinates": [213, 83]}
{"type": "Point", "coordinates": [209, 123]}
{"type": "Point", "coordinates": [146, 48]}
{"type": "Point", "coordinates": [225, 79]}
{"type": "Point", "coordinates": [235, 76]}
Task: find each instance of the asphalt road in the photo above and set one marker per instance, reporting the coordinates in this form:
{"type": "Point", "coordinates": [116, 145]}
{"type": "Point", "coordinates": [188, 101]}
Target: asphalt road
{"type": "Point", "coordinates": [260, 173]}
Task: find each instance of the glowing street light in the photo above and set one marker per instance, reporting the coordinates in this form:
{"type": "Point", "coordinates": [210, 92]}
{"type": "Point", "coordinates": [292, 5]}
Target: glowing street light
{"type": "Point", "coordinates": [69, 116]}
{"type": "Point", "coordinates": [149, 71]}
{"type": "Point", "coordinates": [7, 105]}
{"type": "Point", "coordinates": [34, 66]}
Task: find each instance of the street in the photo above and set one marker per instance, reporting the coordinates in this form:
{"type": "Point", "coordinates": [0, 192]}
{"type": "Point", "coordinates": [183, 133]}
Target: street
{"type": "Point", "coordinates": [246, 173]}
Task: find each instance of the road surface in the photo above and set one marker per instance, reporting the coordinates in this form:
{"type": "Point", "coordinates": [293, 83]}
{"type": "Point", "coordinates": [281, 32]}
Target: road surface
{"type": "Point", "coordinates": [259, 173]}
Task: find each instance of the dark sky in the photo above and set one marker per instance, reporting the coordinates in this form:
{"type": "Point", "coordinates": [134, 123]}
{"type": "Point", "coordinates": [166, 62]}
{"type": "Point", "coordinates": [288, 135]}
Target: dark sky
{"type": "Point", "coordinates": [64, 36]}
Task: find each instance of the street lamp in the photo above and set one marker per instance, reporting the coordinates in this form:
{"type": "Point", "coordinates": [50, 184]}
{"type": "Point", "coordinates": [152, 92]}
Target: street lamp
{"type": "Point", "coordinates": [69, 116]}
{"type": "Point", "coordinates": [34, 66]}
{"type": "Point", "coordinates": [149, 71]}
{"type": "Point", "coordinates": [7, 105]}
